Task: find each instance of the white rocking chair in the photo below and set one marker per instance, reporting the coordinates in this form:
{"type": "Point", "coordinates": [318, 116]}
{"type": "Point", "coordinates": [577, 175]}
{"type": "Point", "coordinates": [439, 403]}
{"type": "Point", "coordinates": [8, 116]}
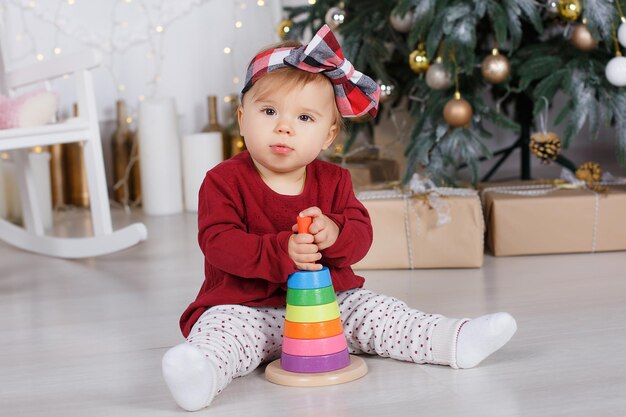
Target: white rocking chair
{"type": "Point", "coordinates": [83, 128]}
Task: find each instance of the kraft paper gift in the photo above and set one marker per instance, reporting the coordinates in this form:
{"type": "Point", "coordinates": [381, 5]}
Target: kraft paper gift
{"type": "Point", "coordinates": [372, 172]}
{"type": "Point", "coordinates": [542, 219]}
{"type": "Point", "coordinates": [434, 229]}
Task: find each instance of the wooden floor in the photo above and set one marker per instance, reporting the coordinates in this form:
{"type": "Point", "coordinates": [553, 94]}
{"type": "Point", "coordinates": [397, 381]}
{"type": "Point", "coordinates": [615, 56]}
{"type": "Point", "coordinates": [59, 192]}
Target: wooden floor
{"type": "Point", "coordinates": [85, 338]}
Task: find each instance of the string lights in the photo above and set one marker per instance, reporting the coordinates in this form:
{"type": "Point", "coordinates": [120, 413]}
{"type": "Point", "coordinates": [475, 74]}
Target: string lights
{"type": "Point", "coordinates": [134, 23]}
{"type": "Point", "coordinates": [136, 30]}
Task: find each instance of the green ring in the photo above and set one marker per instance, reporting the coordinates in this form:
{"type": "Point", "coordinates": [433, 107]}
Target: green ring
{"type": "Point", "coordinates": [311, 297]}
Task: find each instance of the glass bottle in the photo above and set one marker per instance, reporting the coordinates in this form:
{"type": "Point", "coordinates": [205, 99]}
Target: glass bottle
{"type": "Point", "coordinates": [135, 173]}
{"type": "Point", "coordinates": [75, 172]}
{"type": "Point", "coordinates": [121, 155]}
{"type": "Point", "coordinates": [57, 177]}
{"type": "Point", "coordinates": [214, 126]}
{"type": "Point", "coordinates": [237, 144]}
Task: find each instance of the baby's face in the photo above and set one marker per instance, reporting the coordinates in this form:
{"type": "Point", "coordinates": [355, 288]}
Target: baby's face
{"type": "Point", "coordinates": [285, 129]}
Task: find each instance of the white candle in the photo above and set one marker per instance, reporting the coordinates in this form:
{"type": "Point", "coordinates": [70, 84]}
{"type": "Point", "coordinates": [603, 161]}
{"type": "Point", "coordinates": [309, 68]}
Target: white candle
{"type": "Point", "coordinates": [201, 152]}
{"type": "Point", "coordinates": [40, 166]}
{"type": "Point", "coordinates": [159, 155]}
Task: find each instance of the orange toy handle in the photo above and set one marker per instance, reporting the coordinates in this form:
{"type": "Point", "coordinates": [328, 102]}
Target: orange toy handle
{"type": "Point", "coordinates": [304, 223]}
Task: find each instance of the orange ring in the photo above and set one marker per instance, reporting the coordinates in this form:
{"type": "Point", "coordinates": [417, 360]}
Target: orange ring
{"type": "Point", "coordinates": [318, 330]}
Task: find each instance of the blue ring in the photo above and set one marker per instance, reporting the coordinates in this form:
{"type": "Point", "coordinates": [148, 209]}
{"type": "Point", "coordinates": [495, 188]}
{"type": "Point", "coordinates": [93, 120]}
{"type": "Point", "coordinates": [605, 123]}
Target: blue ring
{"type": "Point", "coordinates": [309, 280]}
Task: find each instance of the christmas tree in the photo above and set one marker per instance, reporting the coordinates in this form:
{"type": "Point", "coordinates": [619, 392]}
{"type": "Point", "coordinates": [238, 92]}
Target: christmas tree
{"type": "Point", "coordinates": [463, 67]}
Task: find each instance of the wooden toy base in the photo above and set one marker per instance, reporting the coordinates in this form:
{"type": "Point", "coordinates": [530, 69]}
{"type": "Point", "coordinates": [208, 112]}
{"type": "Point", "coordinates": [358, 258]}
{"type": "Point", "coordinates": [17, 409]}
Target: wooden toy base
{"type": "Point", "coordinates": [357, 368]}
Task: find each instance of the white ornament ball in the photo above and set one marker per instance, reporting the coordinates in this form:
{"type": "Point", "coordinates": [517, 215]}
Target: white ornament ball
{"type": "Point", "coordinates": [616, 71]}
{"type": "Point", "coordinates": [404, 23]}
{"type": "Point", "coordinates": [621, 34]}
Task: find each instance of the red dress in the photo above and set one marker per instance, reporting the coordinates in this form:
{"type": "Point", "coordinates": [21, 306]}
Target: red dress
{"type": "Point", "coordinates": [244, 228]}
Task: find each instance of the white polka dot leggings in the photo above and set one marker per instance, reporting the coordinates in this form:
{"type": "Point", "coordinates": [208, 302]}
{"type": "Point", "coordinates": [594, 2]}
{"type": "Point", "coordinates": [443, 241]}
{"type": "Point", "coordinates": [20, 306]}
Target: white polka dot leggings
{"type": "Point", "coordinates": [237, 339]}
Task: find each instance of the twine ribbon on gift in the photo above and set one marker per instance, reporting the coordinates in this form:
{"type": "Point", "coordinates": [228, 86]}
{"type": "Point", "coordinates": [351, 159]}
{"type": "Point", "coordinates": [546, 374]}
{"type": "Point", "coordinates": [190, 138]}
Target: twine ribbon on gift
{"type": "Point", "coordinates": [567, 181]}
{"type": "Point", "coordinates": [419, 189]}
{"type": "Point", "coordinates": [344, 156]}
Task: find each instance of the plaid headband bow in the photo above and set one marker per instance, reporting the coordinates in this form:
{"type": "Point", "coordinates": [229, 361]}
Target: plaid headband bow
{"type": "Point", "coordinates": [355, 93]}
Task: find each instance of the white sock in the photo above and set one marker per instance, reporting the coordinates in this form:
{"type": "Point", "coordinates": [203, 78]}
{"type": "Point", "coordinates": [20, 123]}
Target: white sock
{"type": "Point", "coordinates": [480, 337]}
{"type": "Point", "coordinates": [190, 376]}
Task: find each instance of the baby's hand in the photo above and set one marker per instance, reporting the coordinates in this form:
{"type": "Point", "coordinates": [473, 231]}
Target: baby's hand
{"type": "Point", "coordinates": [323, 229]}
{"type": "Point", "coordinates": [303, 252]}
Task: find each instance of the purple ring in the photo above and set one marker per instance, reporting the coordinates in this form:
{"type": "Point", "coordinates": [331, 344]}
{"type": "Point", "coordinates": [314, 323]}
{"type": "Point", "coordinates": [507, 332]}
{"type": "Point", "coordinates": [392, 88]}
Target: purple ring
{"type": "Point", "coordinates": [315, 364]}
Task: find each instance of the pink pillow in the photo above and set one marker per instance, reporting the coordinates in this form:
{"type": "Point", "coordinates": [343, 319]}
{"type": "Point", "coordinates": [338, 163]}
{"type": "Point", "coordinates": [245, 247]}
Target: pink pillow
{"type": "Point", "coordinates": [32, 109]}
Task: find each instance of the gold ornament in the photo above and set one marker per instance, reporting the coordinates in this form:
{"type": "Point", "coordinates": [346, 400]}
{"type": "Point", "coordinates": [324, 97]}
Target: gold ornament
{"type": "Point", "coordinates": [283, 28]}
{"type": "Point", "coordinates": [582, 39]}
{"type": "Point", "coordinates": [570, 9]}
{"type": "Point", "coordinates": [418, 60]}
{"type": "Point", "coordinates": [495, 68]}
{"type": "Point", "coordinates": [546, 146]}
{"type": "Point", "coordinates": [457, 112]}
{"type": "Point", "coordinates": [589, 172]}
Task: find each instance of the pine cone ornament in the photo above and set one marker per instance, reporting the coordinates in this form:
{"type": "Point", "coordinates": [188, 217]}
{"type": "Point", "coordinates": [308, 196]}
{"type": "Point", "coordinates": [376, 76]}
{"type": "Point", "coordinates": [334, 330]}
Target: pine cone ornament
{"type": "Point", "coordinates": [589, 172]}
{"type": "Point", "coordinates": [546, 146]}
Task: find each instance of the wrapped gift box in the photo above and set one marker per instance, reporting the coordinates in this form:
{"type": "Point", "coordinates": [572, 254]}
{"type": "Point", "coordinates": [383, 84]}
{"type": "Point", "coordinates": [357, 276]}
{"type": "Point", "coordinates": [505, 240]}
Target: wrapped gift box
{"type": "Point", "coordinates": [424, 230]}
{"type": "Point", "coordinates": [372, 172]}
{"type": "Point", "coordinates": [540, 219]}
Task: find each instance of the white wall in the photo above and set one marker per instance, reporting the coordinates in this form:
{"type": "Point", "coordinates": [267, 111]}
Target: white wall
{"type": "Point", "coordinates": [186, 59]}
{"type": "Point", "coordinates": [187, 56]}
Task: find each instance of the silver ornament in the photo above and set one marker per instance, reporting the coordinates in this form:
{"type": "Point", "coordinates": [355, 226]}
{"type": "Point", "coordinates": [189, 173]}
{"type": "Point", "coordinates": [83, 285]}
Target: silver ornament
{"type": "Point", "coordinates": [404, 23]}
{"type": "Point", "coordinates": [437, 77]}
{"type": "Point", "coordinates": [615, 71]}
{"type": "Point", "coordinates": [387, 91]}
{"type": "Point", "coordinates": [335, 16]}
{"type": "Point", "coordinates": [552, 6]}
{"type": "Point", "coordinates": [495, 67]}
{"type": "Point", "coordinates": [582, 38]}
